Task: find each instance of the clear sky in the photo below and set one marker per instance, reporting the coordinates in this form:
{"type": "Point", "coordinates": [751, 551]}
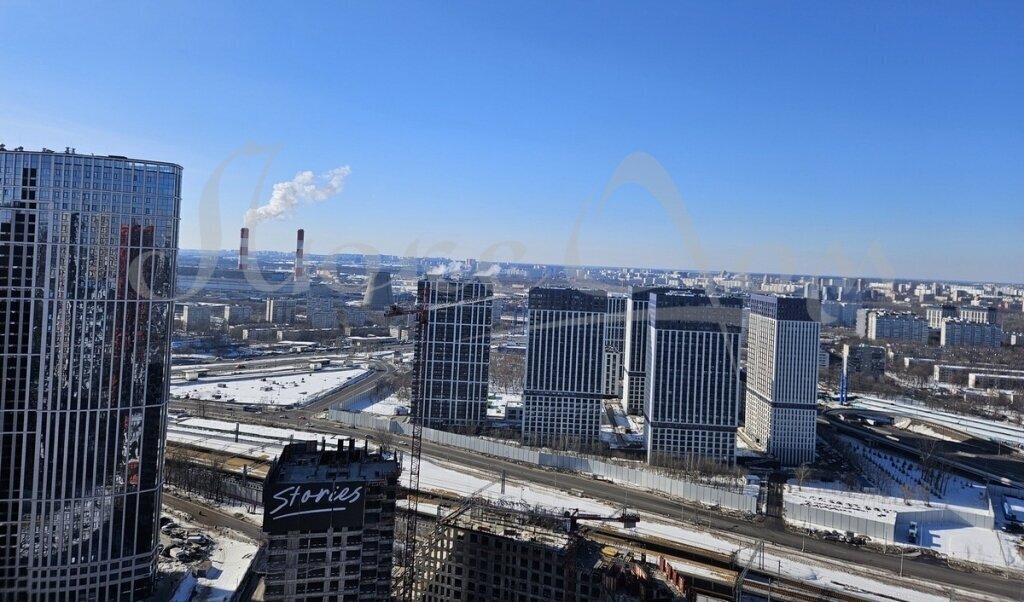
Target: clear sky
{"type": "Point", "coordinates": [882, 138]}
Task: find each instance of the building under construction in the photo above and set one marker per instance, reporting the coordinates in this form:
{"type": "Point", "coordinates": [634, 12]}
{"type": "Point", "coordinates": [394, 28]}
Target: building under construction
{"type": "Point", "coordinates": [488, 552]}
{"type": "Point", "coordinates": [329, 520]}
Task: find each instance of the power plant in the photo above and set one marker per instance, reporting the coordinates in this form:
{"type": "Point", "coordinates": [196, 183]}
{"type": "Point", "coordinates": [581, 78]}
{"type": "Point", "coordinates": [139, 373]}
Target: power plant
{"type": "Point", "coordinates": [243, 251]}
{"type": "Point", "coordinates": [300, 240]}
{"type": "Point", "coordinates": [378, 295]}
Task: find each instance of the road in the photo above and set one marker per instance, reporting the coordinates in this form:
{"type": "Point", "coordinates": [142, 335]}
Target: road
{"type": "Point", "coordinates": [211, 517]}
{"type": "Point", "coordinates": [643, 501]}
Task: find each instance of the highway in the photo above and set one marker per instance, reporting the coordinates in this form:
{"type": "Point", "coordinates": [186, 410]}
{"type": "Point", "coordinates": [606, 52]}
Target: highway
{"type": "Point", "coordinates": [771, 531]}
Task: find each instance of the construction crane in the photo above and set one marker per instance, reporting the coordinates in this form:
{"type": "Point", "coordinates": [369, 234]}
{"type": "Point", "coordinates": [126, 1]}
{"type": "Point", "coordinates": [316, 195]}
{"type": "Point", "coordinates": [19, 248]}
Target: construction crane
{"type": "Point", "coordinates": [422, 313]}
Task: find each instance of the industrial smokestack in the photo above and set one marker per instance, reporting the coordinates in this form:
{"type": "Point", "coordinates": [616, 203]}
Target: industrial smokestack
{"type": "Point", "coordinates": [299, 243]}
{"type": "Point", "coordinates": [243, 251]}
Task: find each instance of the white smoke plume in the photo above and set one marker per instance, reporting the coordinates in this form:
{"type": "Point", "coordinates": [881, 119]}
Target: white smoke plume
{"type": "Point", "coordinates": [452, 268]}
{"type": "Point", "coordinates": [490, 272]}
{"type": "Point", "coordinates": [301, 189]}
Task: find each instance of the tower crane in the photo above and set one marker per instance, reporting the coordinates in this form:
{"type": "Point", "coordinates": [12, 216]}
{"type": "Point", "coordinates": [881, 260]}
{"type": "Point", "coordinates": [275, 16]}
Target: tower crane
{"type": "Point", "coordinates": [422, 312]}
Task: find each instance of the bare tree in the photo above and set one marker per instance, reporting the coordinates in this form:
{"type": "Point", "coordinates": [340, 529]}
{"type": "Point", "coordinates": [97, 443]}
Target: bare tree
{"type": "Point", "coordinates": [802, 472]}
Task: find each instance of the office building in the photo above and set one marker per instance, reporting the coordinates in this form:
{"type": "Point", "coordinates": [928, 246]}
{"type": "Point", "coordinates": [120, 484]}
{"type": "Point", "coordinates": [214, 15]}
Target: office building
{"type": "Point", "coordinates": [88, 247]}
{"type": "Point", "coordinates": [693, 377]}
{"type": "Point", "coordinates": [329, 523]}
{"type": "Point", "coordinates": [453, 351]}
{"type": "Point", "coordinates": [635, 355]}
{"type": "Point", "coordinates": [564, 382]}
{"type": "Point", "coordinates": [868, 360]}
{"type": "Point", "coordinates": [280, 311]}
{"type": "Point", "coordinates": [782, 376]}
{"type": "Point", "coordinates": [962, 333]}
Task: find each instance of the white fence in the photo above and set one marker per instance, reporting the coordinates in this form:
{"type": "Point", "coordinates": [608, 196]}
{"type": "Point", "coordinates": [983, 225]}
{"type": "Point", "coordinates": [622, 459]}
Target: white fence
{"type": "Point", "coordinates": [645, 479]}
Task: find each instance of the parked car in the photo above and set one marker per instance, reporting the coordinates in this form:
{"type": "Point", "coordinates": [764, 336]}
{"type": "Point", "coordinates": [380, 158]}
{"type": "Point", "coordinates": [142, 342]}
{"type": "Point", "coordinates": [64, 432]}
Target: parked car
{"type": "Point", "coordinates": [912, 532]}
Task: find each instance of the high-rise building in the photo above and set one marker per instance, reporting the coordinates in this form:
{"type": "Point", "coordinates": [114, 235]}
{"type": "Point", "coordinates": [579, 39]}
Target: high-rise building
{"type": "Point", "coordinates": [937, 314]}
{"type": "Point", "coordinates": [615, 344]}
{"type": "Point", "coordinates": [963, 333]}
{"type": "Point", "coordinates": [898, 325]}
{"type": "Point", "coordinates": [280, 311]}
{"type": "Point", "coordinates": [329, 520]}
{"type": "Point", "coordinates": [864, 359]}
{"type": "Point", "coordinates": [635, 356]}
{"type": "Point", "coordinates": [451, 364]}
{"type": "Point", "coordinates": [88, 247]}
{"type": "Point", "coordinates": [693, 376]}
{"type": "Point", "coordinates": [564, 384]}
{"type": "Point", "coordinates": [782, 376]}
{"type": "Point", "coordinates": [978, 313]}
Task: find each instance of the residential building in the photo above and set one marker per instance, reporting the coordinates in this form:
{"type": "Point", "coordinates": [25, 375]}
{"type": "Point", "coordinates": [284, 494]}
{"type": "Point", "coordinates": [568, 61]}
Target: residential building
{"type": "Point", "coordinates": [86, 300]}
{"type": "Point", "coordinates": [452, 354]}
{"type": "Point", "coordinates": [329, 523]}
{"type": "Point", "coordinates": [938, 313]}
{"type": "Point", "coordinates": [237, 314]}
{"type": "Point", "coordinates": [962, 333]}
{"type": "Point", "coordinates": [868, 360]}
{"type": "Point", "coordinates": [693, 376]}
{"type": "Point", "coordinates": [281, 311]}
{"type": "Point", "coordinates": [978, 313]}
{"type": "Point", "coordinates": [195, 317]}
{"type": "Point", "coordinates": [564, 381]}
{"type": "Point", "coordinates": [902, 325]}
{"type": "Point", "coordinates": [839, 313]}
{"type": "Point", "coordinates": [615, 344]}
{"type": "Point", "coordinates": [635, 355]}
{"type": "Point", "coordinates": [782, 376]}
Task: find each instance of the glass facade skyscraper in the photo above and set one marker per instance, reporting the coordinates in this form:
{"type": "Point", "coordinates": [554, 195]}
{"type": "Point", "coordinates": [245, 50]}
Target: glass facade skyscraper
{"type": "Point", "coordinates": [88, 247]}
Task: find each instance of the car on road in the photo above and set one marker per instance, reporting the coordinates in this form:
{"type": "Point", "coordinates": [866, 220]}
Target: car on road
{"type": "Point", "coordinates": [912, 532]}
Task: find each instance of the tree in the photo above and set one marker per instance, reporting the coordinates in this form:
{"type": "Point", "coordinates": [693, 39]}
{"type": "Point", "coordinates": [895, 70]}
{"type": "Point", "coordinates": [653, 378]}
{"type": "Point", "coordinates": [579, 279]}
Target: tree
{"type": "Point", "coordinates": [802, 472]}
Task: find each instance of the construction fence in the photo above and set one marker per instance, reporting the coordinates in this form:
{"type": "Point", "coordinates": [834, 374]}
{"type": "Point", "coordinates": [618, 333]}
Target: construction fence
{"type": "Point", "coordinates": [636, 477]}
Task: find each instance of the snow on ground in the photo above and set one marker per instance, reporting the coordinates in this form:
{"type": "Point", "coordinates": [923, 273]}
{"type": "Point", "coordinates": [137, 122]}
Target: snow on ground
{"type": "Point", "coordinates": [924, 429]}
{"type": "Point", "coordinates": [263, 442]}
{"type": "Point", "coordinates": [498, 402]}
{"type": "Point", "coordinates": [231, 559]}
{"type": "Point", "coordinates": [391, 406]}
{"type": "Point", "coordinates": [286, 390]}
{"type": "Point", "coordinates": [230, 555]}
{"type": "Point", "coordinates": [438, 477]}
{"type": "Point", "coordinates": [968, 544]}
{"type": "Point", "coordinates": [902, 474]}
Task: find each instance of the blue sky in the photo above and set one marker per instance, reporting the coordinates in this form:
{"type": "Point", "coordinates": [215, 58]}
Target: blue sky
{"type": "Point", "coordinates": [882, 138]}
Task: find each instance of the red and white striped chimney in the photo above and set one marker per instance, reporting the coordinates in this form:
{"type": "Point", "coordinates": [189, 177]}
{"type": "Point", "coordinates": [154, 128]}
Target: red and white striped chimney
{"type": "Point", "coordinates": [243, 250]}
{"type": "Point", "coordinates": [299, 243]}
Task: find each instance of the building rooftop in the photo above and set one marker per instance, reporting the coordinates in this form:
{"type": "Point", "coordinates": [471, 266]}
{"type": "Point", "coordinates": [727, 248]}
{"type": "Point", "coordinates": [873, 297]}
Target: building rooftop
{"type": "Point", "coordinates": [311, 461]}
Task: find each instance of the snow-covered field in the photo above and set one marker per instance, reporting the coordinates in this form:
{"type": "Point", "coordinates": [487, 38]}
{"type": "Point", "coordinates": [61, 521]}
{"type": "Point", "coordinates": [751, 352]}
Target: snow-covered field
{"type": "Point", "coordinates": [391, 406]}
{"type": "Point", "coordinates": [284, 390]}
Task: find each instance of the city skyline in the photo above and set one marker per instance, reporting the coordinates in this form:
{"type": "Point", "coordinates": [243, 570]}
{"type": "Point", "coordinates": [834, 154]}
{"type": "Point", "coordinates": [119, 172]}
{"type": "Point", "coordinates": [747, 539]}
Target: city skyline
{"type": "Point", "coordinates": [809, 139]}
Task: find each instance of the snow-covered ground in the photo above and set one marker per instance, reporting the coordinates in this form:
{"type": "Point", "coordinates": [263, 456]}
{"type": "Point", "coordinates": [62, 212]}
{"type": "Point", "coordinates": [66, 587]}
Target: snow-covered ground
{"type": "Point", "coordinates": [230, 555]}
{"type": "Point", "coordinates": [390, 406]}
{"type": "Point", "coordinates": [438, 477]}
{"type": "Point", "coordinates": [260, 442]}
{"type": "Point", "coordinates": [284, 390]}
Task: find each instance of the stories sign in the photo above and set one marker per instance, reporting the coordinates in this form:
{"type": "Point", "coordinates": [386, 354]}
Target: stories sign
{"type": "Point", "coordinates": [312, 506]}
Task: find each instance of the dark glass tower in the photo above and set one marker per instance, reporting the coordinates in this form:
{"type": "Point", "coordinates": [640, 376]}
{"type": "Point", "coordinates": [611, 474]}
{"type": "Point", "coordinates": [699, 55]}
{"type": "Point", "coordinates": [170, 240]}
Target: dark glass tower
{"type": "Point", "coordinates": [87, 255]}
